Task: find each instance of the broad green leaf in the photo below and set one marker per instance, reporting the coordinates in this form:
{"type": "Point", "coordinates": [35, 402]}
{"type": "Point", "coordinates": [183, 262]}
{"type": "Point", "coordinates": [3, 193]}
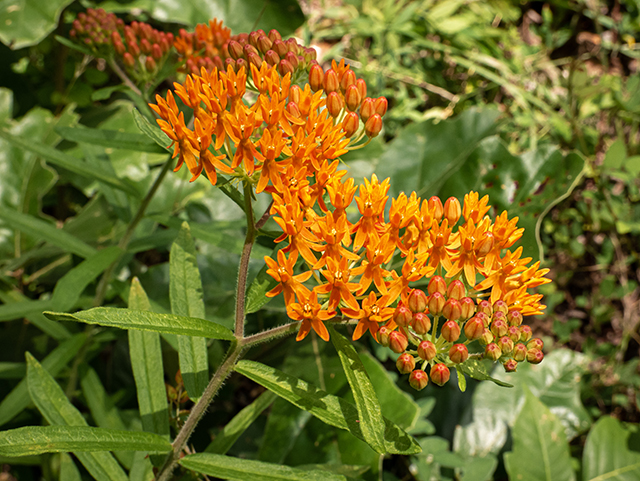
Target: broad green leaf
{"type": "Point", "coordinates": [328, 408]}
{"type": "Point", "coordinates": [111, 139]}
{"type": "Point", "coordinates": [476, 369]}
{"type": "Point", "coordinates": [146, 321]}
{"type": "Point", "coordinates": [615, 156]}
{"type": "Point", "coordinates": [185, 293]}
{"type": "Point", "coordinates": [369, 411]}
{"type": "Point", "coordinates": [238, 469]}
{"type": "Point", "coordinates": [73, 164]}
{"type": "Point", "coordinates": [58, 411]}
{"type": "Point", "coordinates": [41, 229]}
{"type": "Point", "coordinates": [68, 469]}
{"type": "Point", "coordinates": [32, 311]}
{"type": "Point", "coordinates": [239, 424]}
{"type": "Point", "coordinates": [540, 447]}
{"type": "Point", "coordinates": [146, 361]}
{"type": "Point", "coordinates": [152, 131]}
{"type": "Point", "coordinates": [607, 455]}
{"type": "Point", "coordinates": [18, 399]}
{"type": "Point", "coordinates": [56, 439]}
{"type": "Point", "coordinates": [26, 22]}
{"type": "Point", "coordinates": [69, 288]}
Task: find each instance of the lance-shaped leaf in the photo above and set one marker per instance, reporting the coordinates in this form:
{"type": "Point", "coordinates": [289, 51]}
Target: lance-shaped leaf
{"type": "Point", "coordinates": [328, 408]}
{"type": "Point", "coordinates": [148, 371]}
{"type": "Point", "coordinates": [185, 292]}
{"type": "Point", "coordinates": [476, 369]}
{"type": "Point", "coordinates": [146, 321]}
{"type": "Point", "coordinates": [111, 138]}
{"type": "Point", "coordinates": [57, 410]}
{"type": "Point", "coordinates": [226, 467]}
{"type": "Point", "coordinates": [153, 132]}
{"type": "Point", "coordinates": [369, 411]}
{"type": "Point", "coordinates": [55, 439]}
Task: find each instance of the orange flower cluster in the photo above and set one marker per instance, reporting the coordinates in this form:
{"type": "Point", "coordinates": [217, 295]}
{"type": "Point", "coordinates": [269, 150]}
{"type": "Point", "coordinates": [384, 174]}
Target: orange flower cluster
{"type": "Point", "coordinates": [204, 47]}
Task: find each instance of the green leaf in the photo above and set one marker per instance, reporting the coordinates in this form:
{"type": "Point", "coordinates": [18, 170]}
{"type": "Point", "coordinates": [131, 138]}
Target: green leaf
{"type": "Point", "coordinates": [72, 45]}
{"type": "Point", "coordinates": [57, 410]}
{"type": "Point", "coordinates": [18, 399]}
{"type": "Point", "coordinates": [41, 229]}
{"type": "Point", "coordinates": [328, 408]}
{"type": "Point", "coordinates": [153, 132]}
{"type": "Point", "coordinates": [68, 469]}
{"type": "Point", "coordinates": [69, 288]}
{"type": "Point", "coordinates": [476, 369]}
{"type": "Point", "coordinates": [25, 22]}
{"type": "Point", "coordinates": [540, 447]}
{"type": "Point", "coordinates": [607, 455]}
{"type": "Point", "coordinates": [146, 321]}
{"type": "Point", "coordinates": [111, 139]}
{"type": "Point", "coordinates": [239, 424]}
{"type": "Point", "coordinates": [238, 469]}
{"type": "Point", "coordinates": [284, 425]}
{"type": "Point", "coordinates": [17, 305]}
{"type": "Point", "coordinates": [185, 292]}
{"type": "Point", "coordinates": [462, 381]}
{"type": "Point", "coordinates": [12, 370]}
{"type": "Point", "coordinates": [146, 361]}
{"type": "Point", "coordinates": [73, 164]}
{"type": "Point", "coordinates": [56, 439]}
{"type": "Point", "coordinates": [142, 469]}
{"type": "Point", "coordinates": [615, 156]}
{"type": "Point", "coordinates": [369, 411]}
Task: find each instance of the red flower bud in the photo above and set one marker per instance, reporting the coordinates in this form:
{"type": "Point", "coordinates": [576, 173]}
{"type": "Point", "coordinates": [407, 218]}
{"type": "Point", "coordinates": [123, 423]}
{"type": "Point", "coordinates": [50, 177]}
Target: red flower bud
{"type": "Point", "coordinates": [367, 109]}
{"type": "Point", "coordinates": [352, 98]}
{"type": "Point", "coordinates": [484, 318]}
{"type": "Point", "coordinates": [402, 316]}
{"type": "Point", "coordinates": [398, 342]}
{"type": "Point", "coordinates": [513, 333]}
{"type": "Point", "coordinates": [263, 43]}
{"type": "Point", "coordinates": [373, 126]}
{"type": "Point", "coordinates": [525, 333]}
{"type": "Point", "coordinates": [119, 47]}
{"type": "Point", "coordinates": [292, 59]}
{"type": "Point", "coordinates": [331, 82]}
{"type": "Point", "coordinates": [348, 79]}
{"type": "Point", "coordinates": [334, 104]}
{"type": "Point", "coordinates": [485, 307]}
{"type": "Point", "coordinates": [514, 318]}
{"type": "Point", "coordinates": [505, 344]}
{"type": "Point", "coordinates": [133, 49]}
{"type": "Point", "coordinates": [421, 323]}
{"type": "Point", "coordinates": [487, 337]}
{"type": "Point", "coordinates": [249, 49]}
{"type": "Point", "coordinates": [451, 331]}
{"type": "Point", "coordinates": [292, 45]}
{"type": "Point", "coordinates": [229, 62]}
{"type": "Point", "coordinates": [380, 105]}
{"type": "Point", "coordinates": [417, 300]}
{"type": "Point", "coordinates": [535, 343]}
{"type": "Point", "coordinates": [452, 210]}
{"type": "Point", "coordinates": [440, 374]}
{"type": "Point", "coordinates": [499, 327]}
{"type": "Point", "coordinates": [468, 307]}
{"type": "Point", "coordinates": [362, 88]}
{"type": "Point", "coordinates": [383, 335]}
{"type": "Point", "coordinates": [427, 350]}
{"type": "Point", "coordinates": [511, 365]}
{"type": "Point", "coordinates": [436, 303]}
{"type": "Point", "coordinates": [241, 64]}
{"type": "Point", "coordinates": [256, 60]}
{"type": "Point", "coordinates": [350, 124]}
{"type": "Point", "coordinates": [492, 351]}
{"type": "Point", "coordinates": [456, 290]}
{"type": "Point", "coordinates": [418, 380]}
{"type": "Point", "coordinates": [235, 50]}
{"type": "Point", "coordinates": [150, 64]}
{"type": "Point", "coordinates": [458, 353]}
{"type": "Point", "coordinates": [405, 363]}
{"type": "Point", "coordinates": [500, 306]}
{"type": "Point", "coordinates": [519, 352]}
{"type": "Point", "coordinates": [435, 207]}
{"type": "Point", "coordinates": [316, 77]}
{"type": "Point", "coordinates": [452, 309]}
{"type": "Point", "coordinates": [474, 328]}
{"type": "Point", "coordinates": [128, 60]}
{"type": "Point", "coordinates": [285, 67]}
{"type": "Point", "coordinates": [271, 58]}
{"type": "Point", "coordinates": [280, 48]}
{"type": "Point", "coordinates": [145, 46]}
{"type": "Point", "coordinates": [253, 39]}
{"type": "Point", "coordinates": [156, 51]}
{"type": "Point", "coordinates": [437, 284]}
{"type": "Point", "coordinates": [535, 356]}
{"type": "Point", "coordinates": [274, 35]}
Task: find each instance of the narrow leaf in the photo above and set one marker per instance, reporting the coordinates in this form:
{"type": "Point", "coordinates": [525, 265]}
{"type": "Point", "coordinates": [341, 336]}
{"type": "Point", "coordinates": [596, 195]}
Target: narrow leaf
{"type": "Point", "coordinates": [32, 311]}
{"type": "Point", "coordinates": [148, 371]}
{"type": "Point", "coordinates": [369, 411]}
{"type": "Point", "coordinates": [226, 467]}
{"type": "Point", "coordinates": [68, 469]}
{"type": "Point", "coordinates": [146, 321]}
{"type": "Point", "coordinates": [57, 410]}
{"type": "Point", "coordinates": [111, 138]}
{"type": "Point", "coordinates": [476, 369]}
{"type": "Point", "coordinates": [18, 399]}
{"type": "Point", "coordinates": [55, 439]}
{"type": "Point", "coordinates": [153, 132]}
{"type": "Point", "coordinates": [142, 469]}
{"type": "Point", "coordinates": [185, 292]}
{"type": "Point", "coordinates": [330, 409]}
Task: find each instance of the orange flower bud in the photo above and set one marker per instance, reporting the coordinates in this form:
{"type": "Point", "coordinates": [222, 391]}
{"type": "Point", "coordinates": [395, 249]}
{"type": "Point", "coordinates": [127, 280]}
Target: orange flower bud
{"type": "Point", "coordinates": [506, 345]}
{"type": "Point", "coordinates": [229, 62]}
{"type": "Point", "coordinates": [437, 284]}
{"type": "Point", "coordinates": [451, 331]}
{"type": "Point", "coordinates": [487, 337]}
{"type": "Point", "coordinates": [316, 76]}
{"type": "Point", "coordinates": [499, 315]}
{"type": "Point", "coordinates": [456, 290]}
{"type": "Point", "coordinates": [373, 126]}
{"type": "Point", "coordinates": [418, 380]}
{"type": "Point", "coordinates": [253, 39]}
{"type": "Point", "coordinates": [294, 93]}
{"type": "Point", "coordinates": [128, 60]}
{"type": "Point", "coordinates": [435, 207]}
{"type": "Point", "coordinates": [331, 82]}
{"type": "Point", "coordinates": [285, 67]}
{"type": "Point", "coordinates": [535, 356]}
{"type": "Point", "coordinates": [452, 210]}
{"type": "Point", "coordinates": [525, 333]}
{"type": "Point", "coordinates": [452, 309]}
{"type": "Point", "coordinates": [350, 124]}
{"type": "Point", "coordinates": [417, 300]}
{"type": "Point", "coordinates": [520, 352]}
{"type": "Point", "coordinates": [499, 327]}
{"type": "Point", "coordinates": [133, 49]}
{"type": "Point", "coordinates": [458, 353]}
{"type": "Point", "coordinates": [511, 365]}
{"type": "Point", "coordinates": [362, 87]}
{"type": "Point", "coordinates": [484, 245]}
{"type": "Point", "coordinates": [500, 306]}
{"type": "Point", "coordinates": [440, 374]}
{"type": "Point", "coordinates": [492, 351]}
{"type": "Point", "coordinates": [263, 43]}
{"type": "Point", "coordinates": [398, 342]}
{"type": "Point", "coordinates": [271, 58]}
{"type": "Point", "coordinates": [334, 104]}
{"type": "Point", "coordinates": [352, 98]}
{"type": "Point", "coordinates": [156, 51]}
{"type": "Point", "coordinates": [380, 105]}
{"type": "Point", "coordinates": [484, 318]}
{"type": "Point", "coordinates": [274, 35]}
{"type": "Point", "coordinates": [119, 47]}
{"type": "Point", "coordinates": [367, 109]}
{"type": "Point", "coordinates": [249, 49]}
{"type": "Point", "coordinates": [280, 48]}
{"type": "Point", "coordinates": [474, 328]}
{"type": "Point", "coordinates": [405, 363]}
{"type": "Point", "coordinates": [421, 323]}
{"type": "Point", "coordinates": [235, 50]}
{"type": "Point", "coordinates": [402, 316]}
{"type": "Point", "coordinates": [150, 64]}
{"type": "Point", "coordinates": [436, 303]}
{"type": "Point", "coordinates": [427, 350]}
{"type": "Point", "coordinates": [513, 333]}
{"type": "Point", "coordinates": [255, 59]}
{"type": "Point", "coordinates": [292, 45]}
{"type": "Point", "coordinates": [514, 318]}
{"type": "Point", "coordinates": [468, 307]}
{"type": "Point", "coordinates": [383, 336]}
{"type": "Point", "coordinates": [535, 343]}
{"type": "Point", "coordinates": [145, 46]}
{"type": "Point", "coordinates": [348, 79]}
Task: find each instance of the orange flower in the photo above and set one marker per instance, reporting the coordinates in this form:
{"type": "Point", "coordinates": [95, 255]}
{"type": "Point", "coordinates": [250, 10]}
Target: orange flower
{"type": "Point", "coordinates": [371, 203]}
{"type": "Point", "coordinates": [467, 257]}
{"type": "Point", "coordinates": [503, 278]}
{"type": "Point", "coordinates": [333, 233]}
{"type": "Point", "coordinates": [311, 314]}
{"type": "Point", "coordinates": [377, 253]}
{"type": "Point", "coordinates": [374, 311]}
{"type": "Point", "coordinates": [240, 128]}
{"type": "Point", "coordinates": [271, 146]}
{"type": "Point", "coordinates": [282, 272]}
{"type": "Point", "coordinates": [292, 223]}
{"type": "Point", "coordinates": [338, 286]}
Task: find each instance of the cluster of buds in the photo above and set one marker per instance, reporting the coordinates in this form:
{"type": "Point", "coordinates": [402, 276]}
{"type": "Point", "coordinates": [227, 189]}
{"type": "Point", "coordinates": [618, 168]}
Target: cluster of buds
{"type": "Point", "coordinates": [139, 47]}
{"type": "Point", "coordinates": [203, 48]}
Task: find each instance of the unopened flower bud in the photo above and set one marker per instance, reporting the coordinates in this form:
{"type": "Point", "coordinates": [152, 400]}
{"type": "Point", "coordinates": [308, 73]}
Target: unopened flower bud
{"type": "Point", "coordinates": [452, 210]}
{"type": "Point", "coordinates": [128, 60]}
{"type": "Point", "coordinates": [421, 323]}
{"type": "Point", "coordinates": [452, 309]}
{"type": "Point", "coordinates": [249, 49]}
{"type": "Point", "coordinates": [436, 303]}
{"type": "Point", "coordinates": [367, 109]}
{"type": "Point", "coordinates": [229, 63]}
{"type": "Point", "coordinates": [119, 47]}
{"type": "Point", "coordinates": [348, 79]}
{"type": "Point", "coordinates": [474, 328]}
{"type": "Point", "coordinates": [150, 64]}
{"type": "Point", "coordinates": [405, 363]}
{"type": "Point", "coordinates": [133, 49]}
{"type": "Point", "coordinates": [535, 343]}
{"type": "Point", "coordinates": [525, 333]}
{"type": "Point", "coordinates": [513, 333]}
{"type": "Point", "coordinates": [331, 82]}
{"type": "Point", "coordinates": [274, 35]}
{"type": "Point", "coordinates": [500, 306]}
{"type": "Point", "coordinates": [362, 87]}
{"type": "Point", "coordinates": [156, 51]}
{"type": "Point", "coordinates": [456, 290]}
{"type": "Point", "coordinates": [492, 351]}
{"type": "Point", "coordinates": [417, 300]}
{"type": "Point", "coordinates": [145, 46]}
{"type": "Point", "coordinates": [418, 380]}
{"type": "Point", "coordinates": [280, 48]}
{"type": "Point", "coordinates": [510, 365]}
{"type": "Point", "coordinates": [468, 307]}
{"type": "Point", "coordinates": [402, 316]}
{"type": "Point", "coordinates": [519, 352]}
{"type": "Point", "coordinates": [285, 67]}
{"type": "Point", "coordinates": [458, 353]}
{"type": "Point", "coordinates": [450, 331]}
{"type": "Point", "coordinates": [505, 344]}
{"type": "Point", "coordinates": [398, 342]}
{"type": "Point", "coordinates": [514, 318]}
{"type": "Point", "coordinates": [485, 307]}
{"type": "Point", "coordinates": [499, 327]}
{"type": "Point", "coordinates": [241, 64]}
{"type": "Point", "coordinates": [382, 336]}
{"type": "Point", "coordinates": [316, 77]}
{"type": "Point", "coordinates": [235, 50]}
{"type": "Point", "coordinates": [484, 318]}
{"type": "Point", "coordinates": [263, 43]}
{"type": "Point", "coordinates": [427, 350]}
{"type": "Point", "coordinates": [487, 337]}
{"type": "Point", "coordinates": [350, 124]}
{"type": "Point", "coordinates": [256, 60]}
{"type": "Point", "coordinates": [499, 315]}
{"type": "Point", "coordinates": [437, 284]}
{"type": "Point", "coordinates": [373, 126]}
{"type": "Point", "coordinates": [271, 58]}
{"type": "Point", "coordinates": [535, 356]}
{"type": "Point", "coordinates": [380, 105]}
{"type": "Point", "coordinates": [440, 374]}
{"type": "Point", "coordinates": [435, 207]}
{"type": "Point", "coordinates": [352, 98]}
{"type": "Point", "coordinates": [292, 45]}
